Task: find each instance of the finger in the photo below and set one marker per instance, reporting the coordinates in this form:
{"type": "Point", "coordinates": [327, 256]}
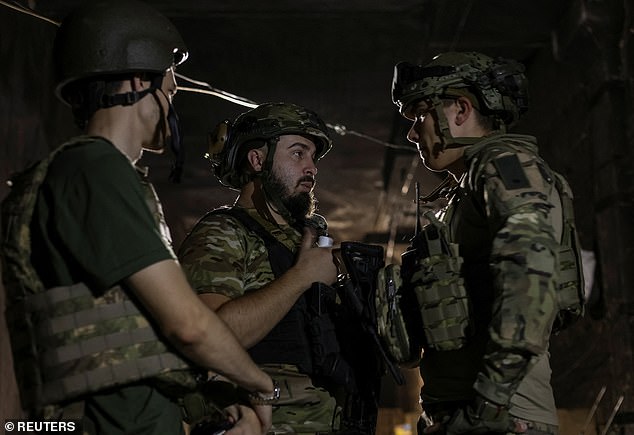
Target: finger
{"type": "Point", "coordinates": [264, 415]}
{"type": "Point", "coordinates": [233, 413]}
{"type": "Point", "coordinates": [249, 424]}
{"type": "Point", "coordinates": [433, 428]}
{"type": "Point", "coordinates": [309, 238]}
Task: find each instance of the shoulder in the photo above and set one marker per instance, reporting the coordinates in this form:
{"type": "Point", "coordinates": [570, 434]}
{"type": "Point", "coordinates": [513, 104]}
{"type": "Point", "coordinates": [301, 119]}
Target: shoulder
{"type": "Point", "coordinates": [93, 156]}
{"type": "Point", "coordinates": [218, 229]}
{"type": "Point", "coordinates": [510, 175]}
{"type": "Point", "coordinates": [507, 157]}
{"type": "Point", "coordinates": [495, 146]}
{"type": "Point", "coordinates": [89, 147]}
{"type": "Point", "coordinates": [221, 220]}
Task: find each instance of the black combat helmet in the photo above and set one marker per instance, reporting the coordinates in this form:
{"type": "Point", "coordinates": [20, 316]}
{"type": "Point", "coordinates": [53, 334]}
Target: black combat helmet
{"type": "Point", "coordinates": [114, 37]}
{"type": "Point", "coordinates": [229, 143]}
{"type": "Point", "coordinates": [496, 87]}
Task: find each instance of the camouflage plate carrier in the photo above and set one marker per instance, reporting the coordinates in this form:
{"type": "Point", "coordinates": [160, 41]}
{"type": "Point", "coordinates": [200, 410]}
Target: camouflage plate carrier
{"type": "Point", "coordinates": [66, 342]}
{"type": "Point", "coordinates": [439, 298]}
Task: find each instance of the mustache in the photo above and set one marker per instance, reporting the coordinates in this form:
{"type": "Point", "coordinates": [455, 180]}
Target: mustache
{"type": "Point", "coordinates": [305, 178]}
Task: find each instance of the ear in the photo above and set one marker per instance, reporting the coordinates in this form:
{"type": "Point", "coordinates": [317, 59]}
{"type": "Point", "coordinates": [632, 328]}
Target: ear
{"type": "Point", "coordinates": [137, 84]}
{"type": "Point", "coordinates": [464, 110]}
{"type": "Point", "coordinates": [255, 158]}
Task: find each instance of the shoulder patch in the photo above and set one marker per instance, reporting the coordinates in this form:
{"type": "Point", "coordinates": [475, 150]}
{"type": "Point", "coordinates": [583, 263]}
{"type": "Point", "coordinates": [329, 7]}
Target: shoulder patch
{"type": "Point", "coordinates": [511, 172]}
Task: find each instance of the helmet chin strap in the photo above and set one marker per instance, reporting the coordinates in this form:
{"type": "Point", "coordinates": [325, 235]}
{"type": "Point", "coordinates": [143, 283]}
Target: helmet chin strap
{"type": "Point", "coordinates": [269, 198]}
{"type": "Point", "coordinates": [446, 139]}
{"type": "Point", "coordinates": [260, 202]}
{"type": "Point", "coordinates": [273, 200]}
{"type": "Point", "coordinates": [176, 145]}
{"type": "Point", "coordinates": [129, 98]}
{"type": "Point", "coordinates": [175, 138]}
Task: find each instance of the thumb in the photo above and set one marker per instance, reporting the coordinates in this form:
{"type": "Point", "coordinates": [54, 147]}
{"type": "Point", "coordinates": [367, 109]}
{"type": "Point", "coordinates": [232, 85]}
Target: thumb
{"type": "Point", "coordinates": [308, 240]}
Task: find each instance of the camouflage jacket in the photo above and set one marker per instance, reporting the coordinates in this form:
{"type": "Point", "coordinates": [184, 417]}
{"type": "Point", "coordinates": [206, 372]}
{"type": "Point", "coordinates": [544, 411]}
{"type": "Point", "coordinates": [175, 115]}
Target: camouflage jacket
{"type": "Point", "coordinates": [503, 217]}
{"type": "Point", "coordinates": [221, 256]}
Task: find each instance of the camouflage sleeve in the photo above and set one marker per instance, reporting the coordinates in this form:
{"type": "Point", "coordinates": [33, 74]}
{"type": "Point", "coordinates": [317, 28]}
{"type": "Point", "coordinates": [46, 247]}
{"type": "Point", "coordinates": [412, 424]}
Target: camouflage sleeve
{"type": "Point", "coordinates": [523, 261]}
{"type": "Point", "coordinates": [213, 256]}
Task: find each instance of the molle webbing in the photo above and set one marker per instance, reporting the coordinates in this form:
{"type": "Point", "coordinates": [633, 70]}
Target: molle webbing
{"type": "Point", "coordinates": [570, 282]}
{"type": "Point", "coordinates": [440, 291]}
{"type": "Point", "coordinates": [66, 342]}
{"type": "Point", "coordinates": [87, 344]}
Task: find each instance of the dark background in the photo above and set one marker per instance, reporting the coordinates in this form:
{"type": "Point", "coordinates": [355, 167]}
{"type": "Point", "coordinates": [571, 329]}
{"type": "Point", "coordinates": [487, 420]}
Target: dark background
{"type": "Point", "coordinates": [337, 57]}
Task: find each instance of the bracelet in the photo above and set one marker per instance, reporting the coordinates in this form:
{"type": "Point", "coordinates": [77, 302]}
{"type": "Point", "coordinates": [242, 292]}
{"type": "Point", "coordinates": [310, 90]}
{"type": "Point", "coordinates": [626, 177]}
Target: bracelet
{"type": "Point", "coordinates": [257, 398]}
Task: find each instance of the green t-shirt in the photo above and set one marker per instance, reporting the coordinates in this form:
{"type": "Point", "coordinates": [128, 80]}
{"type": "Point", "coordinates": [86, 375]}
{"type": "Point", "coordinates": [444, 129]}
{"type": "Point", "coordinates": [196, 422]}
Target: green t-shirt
{"type": "Point", "coordinates": [91, 222]}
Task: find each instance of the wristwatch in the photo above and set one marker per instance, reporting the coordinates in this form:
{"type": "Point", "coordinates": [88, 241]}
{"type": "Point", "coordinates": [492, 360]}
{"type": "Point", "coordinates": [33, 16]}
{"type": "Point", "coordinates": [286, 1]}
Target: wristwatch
{"type": "Point", "coordinates": [257, 398]}
{"type": "Point", "coordinates": [488, 411]}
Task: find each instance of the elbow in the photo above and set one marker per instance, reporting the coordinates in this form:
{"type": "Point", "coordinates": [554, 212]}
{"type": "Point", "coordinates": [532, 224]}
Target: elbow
{"type": "Point", "coordinates": [187, 333]}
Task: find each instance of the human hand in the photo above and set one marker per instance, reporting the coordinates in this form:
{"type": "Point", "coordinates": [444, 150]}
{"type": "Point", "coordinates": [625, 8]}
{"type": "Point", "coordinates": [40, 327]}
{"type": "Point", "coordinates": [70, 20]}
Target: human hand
{"type": "Point", "coordinates": [315, 264]}
{"type": "Point", "coordinates": [483, 417]}
{"type": "Point", "coordinates": [249, 421]}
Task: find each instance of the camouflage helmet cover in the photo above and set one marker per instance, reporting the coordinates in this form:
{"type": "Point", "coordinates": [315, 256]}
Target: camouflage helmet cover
{"type": "Point", "coordinates": [496, 87]}
{"type": "Point", "coordinates": [113, 37]}
{"type": "Point", "coordinates": [229, 143]}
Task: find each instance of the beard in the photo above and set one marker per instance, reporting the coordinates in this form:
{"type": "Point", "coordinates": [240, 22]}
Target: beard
{"type": "Point", "coordinates": [300, 205]}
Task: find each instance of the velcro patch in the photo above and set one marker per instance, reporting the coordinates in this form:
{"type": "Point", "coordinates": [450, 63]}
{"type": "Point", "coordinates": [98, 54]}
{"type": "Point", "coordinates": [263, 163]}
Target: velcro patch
{"type": "Point", "coordinates": [511, 172]}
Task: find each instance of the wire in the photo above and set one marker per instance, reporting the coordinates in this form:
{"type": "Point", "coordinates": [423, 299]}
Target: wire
{"type": "Point", "coordinates": [28, 11]}
{"type": "Point", "coordinates": [207, 89]}
{"type": "Point", "coordinates": [215, 93]}
{"type": "Point", "coordinates": [337, 128]}
{"type": "Point", "coordinates": [342, 131]}
{"type": "Point", "coordinates": [210, 90]}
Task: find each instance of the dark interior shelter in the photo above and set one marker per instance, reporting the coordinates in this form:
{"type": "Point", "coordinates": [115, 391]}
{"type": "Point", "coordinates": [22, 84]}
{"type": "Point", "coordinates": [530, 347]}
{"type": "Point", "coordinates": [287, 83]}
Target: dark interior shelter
{"type": "Point", "coordinates": [337, 57]}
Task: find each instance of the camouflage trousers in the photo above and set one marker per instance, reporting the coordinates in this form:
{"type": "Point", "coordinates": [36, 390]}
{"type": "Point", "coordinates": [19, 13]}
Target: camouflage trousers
{"type": "Point", "coordinates": [534, 428]}
{"type": "Point", "coordinates": [303, 407]}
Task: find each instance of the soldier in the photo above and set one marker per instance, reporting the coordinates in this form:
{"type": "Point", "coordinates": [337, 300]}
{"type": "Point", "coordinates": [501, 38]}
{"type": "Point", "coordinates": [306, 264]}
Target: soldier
{"type": "Point", "coordinates": [498, 255]}
{"type": "Point", "coordinates": [253, 262]}
{"type": "Point", "coordinates": [107, 327]}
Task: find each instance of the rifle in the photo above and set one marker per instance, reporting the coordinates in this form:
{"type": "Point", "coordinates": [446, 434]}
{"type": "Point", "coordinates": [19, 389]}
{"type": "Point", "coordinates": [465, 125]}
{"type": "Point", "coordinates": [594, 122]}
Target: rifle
{"type": "Point", "coordinates": [356, 289]}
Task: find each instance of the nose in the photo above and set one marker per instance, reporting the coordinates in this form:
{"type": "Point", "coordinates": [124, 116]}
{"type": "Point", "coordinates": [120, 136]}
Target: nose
{"type": "Point", "coordinates": [169, 83]}
{"type": "Point", "coordinates": [412, 134]}
{"type": "Point", "coordinates": [311, 168]}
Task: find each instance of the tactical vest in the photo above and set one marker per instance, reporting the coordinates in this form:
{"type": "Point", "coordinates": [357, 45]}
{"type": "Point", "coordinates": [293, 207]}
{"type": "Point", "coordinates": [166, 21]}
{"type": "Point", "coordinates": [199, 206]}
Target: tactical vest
{"type": "Point", "coordinates": [66, 342]}
{"type": "Point", "coordinates": [305, 337]}
{"type": "Point", "coordinates": [440, 292]}
{"type": "Point", "coordinates": [288, 341]}
{"type": "Point", "coordinates": [435, 300]}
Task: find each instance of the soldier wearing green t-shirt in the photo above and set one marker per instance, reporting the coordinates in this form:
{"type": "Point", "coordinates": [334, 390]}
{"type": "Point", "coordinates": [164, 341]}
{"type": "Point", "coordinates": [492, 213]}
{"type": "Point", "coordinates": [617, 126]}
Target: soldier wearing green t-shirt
{"type": "Point", "coordinates": [108, 329]}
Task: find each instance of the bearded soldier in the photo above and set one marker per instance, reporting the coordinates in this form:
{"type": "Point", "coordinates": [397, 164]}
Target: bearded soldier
{"type": "Point", "coordinates": [255, 262]}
